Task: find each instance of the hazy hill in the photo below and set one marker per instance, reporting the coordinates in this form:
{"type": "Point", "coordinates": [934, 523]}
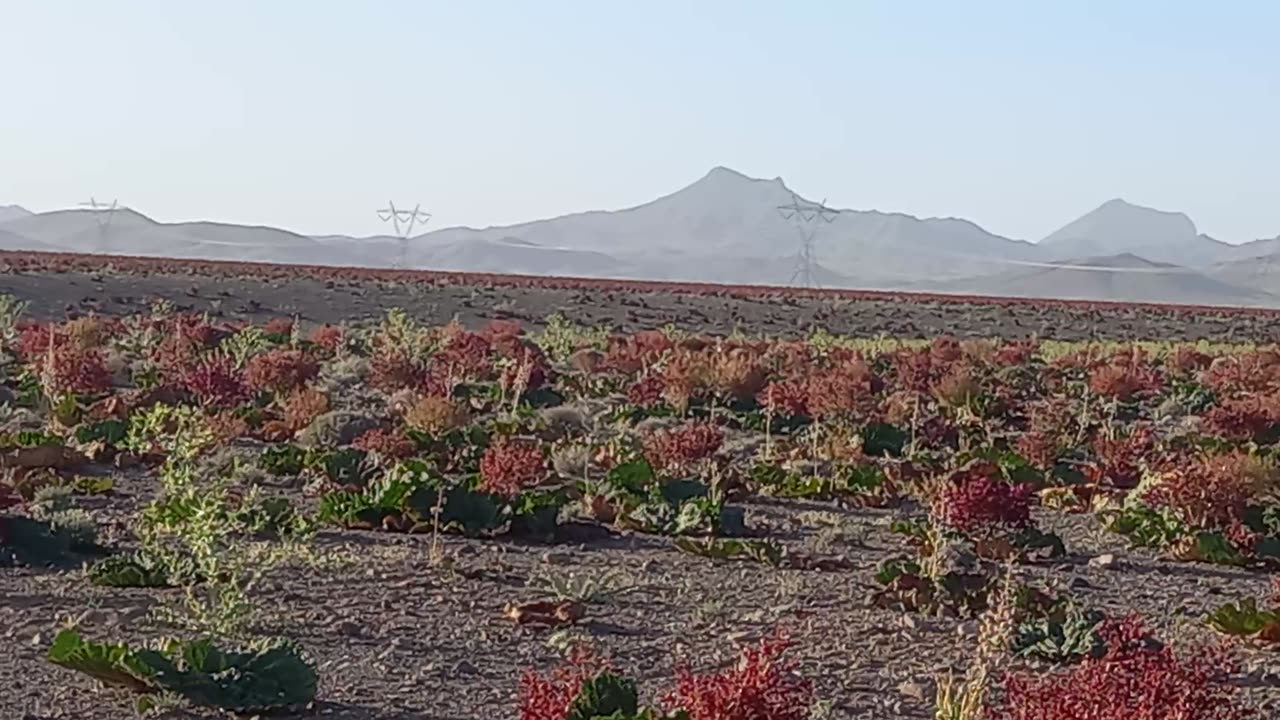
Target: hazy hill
{"type": "Point", "coordinates": [12, 212]}
{"type": "Point", "coordinates": [1118, 227]}
{"type": "Point", "coordinates": [727, 215]}
{"type": "Point", "coordinates": [1122, 278]}
{"type": "Point", "coordinates": [132, 233]}
{"type": "Point", "coordinates": [726, 227]}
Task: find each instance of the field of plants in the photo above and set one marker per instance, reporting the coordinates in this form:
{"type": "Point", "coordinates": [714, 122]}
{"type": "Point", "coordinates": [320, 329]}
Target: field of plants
{"type": "Point", "coordinates": [203, 515]}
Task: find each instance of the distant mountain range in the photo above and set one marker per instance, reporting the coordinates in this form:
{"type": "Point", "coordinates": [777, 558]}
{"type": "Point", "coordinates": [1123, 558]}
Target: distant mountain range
{"type": "Point", "coordinates": [727, 228]}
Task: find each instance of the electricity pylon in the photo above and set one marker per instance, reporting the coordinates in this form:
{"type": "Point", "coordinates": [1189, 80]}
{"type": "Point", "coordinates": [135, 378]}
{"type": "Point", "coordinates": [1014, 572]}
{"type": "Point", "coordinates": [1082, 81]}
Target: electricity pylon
{"type": "Point", "coordinates": [403, 222]}
{"type": "Point", "coordinates": [102, 214]}
{"type": "Point", "coordinates": [806, 214]}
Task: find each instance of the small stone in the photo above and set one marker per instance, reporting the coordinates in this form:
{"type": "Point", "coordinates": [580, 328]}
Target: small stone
{"type": "Point", "coordinates": [1104, 560]}
{"type": "Point", "coordinates": [913, 690]}
{"type": "Point", "coordinates": [967, 629]}
{"type": "Point", "coordinates": [909, 622]}
{"type": "Point", "coordinates": [347, 628]}
{"type": "Point", "coordinates": [464, 668]}
{"type": "Point", "coordinates": [556, 558]}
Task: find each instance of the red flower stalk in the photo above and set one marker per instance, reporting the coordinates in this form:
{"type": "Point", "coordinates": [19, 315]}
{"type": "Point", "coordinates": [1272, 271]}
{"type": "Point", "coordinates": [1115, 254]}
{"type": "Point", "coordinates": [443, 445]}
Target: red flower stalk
{"type": "Point", "coordinates": [509, 466]}
{"type": "Point", "coordinates": [1136, 679]}
{"type": "Point", "coordinates": [760, 687]}
{"type": "Point", "coordinates": [679, 447]}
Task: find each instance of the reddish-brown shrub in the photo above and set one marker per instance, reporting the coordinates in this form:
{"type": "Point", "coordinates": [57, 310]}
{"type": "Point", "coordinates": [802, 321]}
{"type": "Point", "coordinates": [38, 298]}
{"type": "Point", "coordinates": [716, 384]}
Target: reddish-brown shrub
{"type": "Point", "coordinates": [391, 444]}
{"type": "Point", "coordinates": [647, 391]}
{"type": "Point", "coordinates": [1015, 352]}
{"type": "Point", "coordinates": [786, 398]}
{"type": "Point", "coordinates": [464, 357]}
{"type": "Point", "coordinates": [510, 466]}
{"type": "Point", "coordinates": [1136, 679]}
{"type": "Point", "coordinates": [90, 332]}
{"type": "Point", "coordinates": [497, 328]}
{"type": "Point", "coordinates": [434, 414]}
{"type": "Point", "coordinates": [214, 381]}
{"type": "Point", "coordinates": [302, 407]}
{"type": "Point", "coordinates": [280, 370]}
{"type": "Point", "coordinates": [1245, 417]}
{"type": "Point", "coordinates": [631, 354]}
{"type": "Point", "coordinates": [279, 327]}
{"type": "Point", "coordinates": [226, 426]}
{"type": "Point", "coordinates": [1186, 361]}
{"type": "Point", "coordinates": [760, 687]}
{"type": "Point", "coordinates": [69, 369]}
{"type": "Point", "coordinates": [977, 502]}
{"type": "Point", "coordinates": [391, 370]}
{"type": "Point", "coordinates": [1257, 372]}
{"type": "Point", "coordinates": [329, 337]}
{"type": "Point", "coordinates": [1212, 492]}
{"type": "Point", "coordinates": [841, 391]}
{"type": "Point", "coordinates": [677, 448]}
{"type": "Point", "coordinates": [1120, 459]}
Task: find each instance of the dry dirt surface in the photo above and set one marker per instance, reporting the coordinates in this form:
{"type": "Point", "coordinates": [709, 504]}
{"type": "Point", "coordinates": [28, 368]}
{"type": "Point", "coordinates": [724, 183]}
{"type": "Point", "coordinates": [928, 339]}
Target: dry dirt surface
{"type": "Point", "coordinates": [58, 286]}
{"type": "Point", "coordinates": [396, 638]}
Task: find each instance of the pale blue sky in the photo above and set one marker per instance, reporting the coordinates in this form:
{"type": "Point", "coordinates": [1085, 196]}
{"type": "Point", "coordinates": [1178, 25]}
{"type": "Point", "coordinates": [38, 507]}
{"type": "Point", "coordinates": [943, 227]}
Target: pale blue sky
{"type": "Point", "coordinates": [1019, 115]}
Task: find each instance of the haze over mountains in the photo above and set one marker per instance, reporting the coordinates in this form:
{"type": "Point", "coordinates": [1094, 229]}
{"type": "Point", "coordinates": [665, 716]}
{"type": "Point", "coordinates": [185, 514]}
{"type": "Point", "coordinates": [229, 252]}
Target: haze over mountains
{"type": "Point", "coordinates": [727, 228]}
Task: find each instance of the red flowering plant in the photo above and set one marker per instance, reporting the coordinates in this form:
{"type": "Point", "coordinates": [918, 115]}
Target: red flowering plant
{"type": "Point", "coordinates": [586, 686]}
{"type": "Point", "coordinates": [65, 371]}
{"type": "Point", "coordinates": [214, 381]}
{"type": "Point", "coordinates": [761, 686]}
{"type": "Point", "coordinates": [1218, 508]}
{"type": "Point", "coordinates": [1135, 679]}
{"type": "Point", "coordinates": [631, 354]}
{"type": "Point", "coordinates": [1127, 376]}
{"type": "Point", "coordinates": [510, 466]}
{"type": "Point", "coordinates": [682, 448]}
{"type": "Point", "coordinates": [280, 371]}
{"type": "Point", "coordinates": [390, 445]}
{"type": "Point", "coordinates": [983, 504]}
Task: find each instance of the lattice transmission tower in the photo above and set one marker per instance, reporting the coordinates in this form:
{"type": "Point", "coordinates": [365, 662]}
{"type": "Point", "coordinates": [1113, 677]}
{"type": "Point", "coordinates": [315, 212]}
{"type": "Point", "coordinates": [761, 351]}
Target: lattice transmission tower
{"type": "Point", "coordinates": [403, 222]}
{"type": "Point", "coordinates": [102, 214]}
{"type": "Point", "coordinates": [806, 216]}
